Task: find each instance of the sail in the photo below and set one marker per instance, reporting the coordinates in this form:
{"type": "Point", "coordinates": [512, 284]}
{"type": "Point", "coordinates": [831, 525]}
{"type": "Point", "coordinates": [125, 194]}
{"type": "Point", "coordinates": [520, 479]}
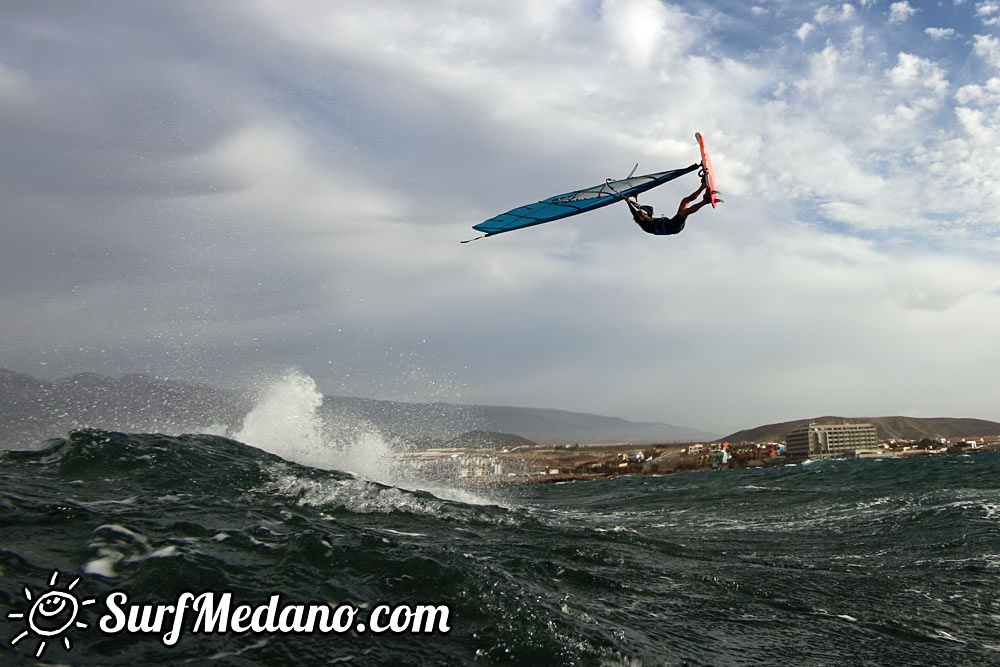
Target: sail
{"type": "Point", "coordinates": [578, 201]}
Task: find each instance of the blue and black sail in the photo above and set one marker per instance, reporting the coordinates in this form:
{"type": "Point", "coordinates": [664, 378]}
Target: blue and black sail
{"type": "Point", "coordinates": [576, 202]}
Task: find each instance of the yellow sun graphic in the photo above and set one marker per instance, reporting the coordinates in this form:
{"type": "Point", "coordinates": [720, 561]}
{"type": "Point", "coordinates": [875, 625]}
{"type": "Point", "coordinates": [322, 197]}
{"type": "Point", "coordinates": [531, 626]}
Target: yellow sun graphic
{"type": "Point", "coordinates": [50, 615]}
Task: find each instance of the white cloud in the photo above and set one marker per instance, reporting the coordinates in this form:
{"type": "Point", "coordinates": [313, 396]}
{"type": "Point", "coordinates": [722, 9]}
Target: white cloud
{"type": "Point", "coordinates": [12, 82]}
{"type": "Point", "coordinates": [831, 13]}
{"type": "Point", "coordinates": [824, 69]}
{"type": "Point", "coordinates": [279, 181]}
{"type": "Point", "coordinates": [938, 34]}
{"type": "Point", "coordinates": [288, 183]}
{"type": "Point", "coordinates": [985, 95]}
{"type": "Point", "coordinates": [915, 72]}
{"type": "Point", "coordinates": [987, 47]}
{"type": "Point", "coordinates": [988, 12]}
{"type": "Point", "coordinates": [643, 29]}
{"type": "Point", "coordinates": [899, 12]}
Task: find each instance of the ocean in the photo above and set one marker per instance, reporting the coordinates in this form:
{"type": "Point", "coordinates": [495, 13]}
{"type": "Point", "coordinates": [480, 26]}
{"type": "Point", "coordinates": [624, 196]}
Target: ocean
{"type": "Point", "coordinates": [854, 562]}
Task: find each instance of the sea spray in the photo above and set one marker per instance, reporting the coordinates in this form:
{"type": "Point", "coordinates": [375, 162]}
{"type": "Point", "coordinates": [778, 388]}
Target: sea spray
{"type": "Point", "coordinates": [286, 421]}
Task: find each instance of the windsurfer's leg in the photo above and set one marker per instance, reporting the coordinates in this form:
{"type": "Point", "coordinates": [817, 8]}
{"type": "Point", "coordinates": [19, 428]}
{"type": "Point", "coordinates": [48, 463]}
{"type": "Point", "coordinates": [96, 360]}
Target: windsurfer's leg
{"type": "Point", "coordinates": [690, 198]}
{"type": "Point", "coordinates": [697, 207]}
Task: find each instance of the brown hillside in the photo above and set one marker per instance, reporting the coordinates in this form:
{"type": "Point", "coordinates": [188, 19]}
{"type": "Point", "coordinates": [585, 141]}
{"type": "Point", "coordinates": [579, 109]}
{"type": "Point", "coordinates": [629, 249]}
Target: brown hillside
{"type": "Point", "coordinates": [900, 428]}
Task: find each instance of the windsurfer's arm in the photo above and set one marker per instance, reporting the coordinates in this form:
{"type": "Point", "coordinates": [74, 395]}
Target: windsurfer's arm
{"type": "Point", "coordinates": [637, 213]}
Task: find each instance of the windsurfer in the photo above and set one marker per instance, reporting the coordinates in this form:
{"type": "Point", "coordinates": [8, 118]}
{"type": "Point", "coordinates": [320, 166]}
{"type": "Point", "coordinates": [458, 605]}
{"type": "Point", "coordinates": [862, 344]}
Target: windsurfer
{"type": "Point", "coordinates": [664, 226]}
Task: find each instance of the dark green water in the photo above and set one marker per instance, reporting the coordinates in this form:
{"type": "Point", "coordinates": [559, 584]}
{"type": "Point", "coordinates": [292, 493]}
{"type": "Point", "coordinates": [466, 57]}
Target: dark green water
{"type": "Point", "coordinates": [833, 563]}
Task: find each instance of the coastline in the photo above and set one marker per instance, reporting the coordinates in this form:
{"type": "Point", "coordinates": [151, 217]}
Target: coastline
{"type": "Point", "coordinates": [549, 464]}
{"type": "Point", "coordinates": [552, 464]}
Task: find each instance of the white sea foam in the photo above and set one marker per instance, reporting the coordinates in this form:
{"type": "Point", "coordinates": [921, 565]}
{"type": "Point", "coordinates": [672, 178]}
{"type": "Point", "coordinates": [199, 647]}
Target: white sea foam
{"type": "Point", "coordinates": [356, 495]}
{"type": "Point", "coordinates": [104, 566]}
{"type": "Point", "coordinates": [288, 421]}
{"type": "Point", "coordinates": [284, 421]}
{"type": "Point", "coordinates": [116, 544]}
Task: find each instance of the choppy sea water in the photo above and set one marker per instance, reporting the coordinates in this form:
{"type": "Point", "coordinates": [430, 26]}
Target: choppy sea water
{"type": "Point", "coordinates": [839, 562]}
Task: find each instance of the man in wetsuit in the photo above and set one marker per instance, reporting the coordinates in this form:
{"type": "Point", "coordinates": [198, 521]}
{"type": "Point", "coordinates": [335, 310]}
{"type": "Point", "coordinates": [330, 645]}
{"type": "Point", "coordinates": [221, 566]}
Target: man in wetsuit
{"type": "Point", "coordinates": [664, 226]}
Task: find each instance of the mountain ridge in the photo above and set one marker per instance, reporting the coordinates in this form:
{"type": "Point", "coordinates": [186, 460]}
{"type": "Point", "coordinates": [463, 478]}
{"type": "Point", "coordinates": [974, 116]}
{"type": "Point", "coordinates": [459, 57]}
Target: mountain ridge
{"type": "Point", "coordinates": [894, 427]}
{"type": "Point", "coordinates": [32, 410]}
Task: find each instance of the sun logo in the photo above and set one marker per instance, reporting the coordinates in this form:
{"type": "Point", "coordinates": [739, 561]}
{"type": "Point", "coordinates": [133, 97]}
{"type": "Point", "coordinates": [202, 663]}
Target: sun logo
{"type": "Point", "coordinates": [50, 615]}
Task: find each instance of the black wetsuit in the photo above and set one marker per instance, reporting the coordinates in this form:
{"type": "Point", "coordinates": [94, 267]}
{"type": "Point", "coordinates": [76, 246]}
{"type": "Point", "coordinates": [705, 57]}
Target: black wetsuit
{"type": "Point", "coordinates": [643, 216]}
{"type": "Point", "coordinates": [661, 226]}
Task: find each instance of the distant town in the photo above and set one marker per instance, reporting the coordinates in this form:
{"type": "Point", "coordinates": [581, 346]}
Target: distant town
{"type": "Point", "coordinates": [558, 463]}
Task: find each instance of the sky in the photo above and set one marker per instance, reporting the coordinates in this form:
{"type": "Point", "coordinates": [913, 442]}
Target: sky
{"type": "Point", "coordinates": [218, 192]}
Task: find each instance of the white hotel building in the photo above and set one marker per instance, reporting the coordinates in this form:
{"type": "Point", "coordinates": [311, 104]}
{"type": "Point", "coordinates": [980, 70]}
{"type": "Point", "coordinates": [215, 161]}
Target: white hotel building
{"type": "Point", "coordinates": [816, 441]}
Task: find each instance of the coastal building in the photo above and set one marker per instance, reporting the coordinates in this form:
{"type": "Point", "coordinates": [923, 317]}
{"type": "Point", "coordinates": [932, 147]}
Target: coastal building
{"type": "Point", "coordinates": [814, 441]}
